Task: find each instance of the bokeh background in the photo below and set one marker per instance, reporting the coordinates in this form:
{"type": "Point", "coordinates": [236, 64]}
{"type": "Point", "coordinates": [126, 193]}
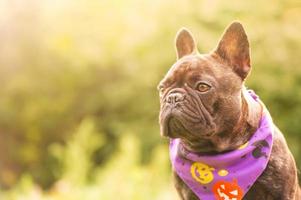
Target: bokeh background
{"type": "Point", "coordinates": [78, 99]}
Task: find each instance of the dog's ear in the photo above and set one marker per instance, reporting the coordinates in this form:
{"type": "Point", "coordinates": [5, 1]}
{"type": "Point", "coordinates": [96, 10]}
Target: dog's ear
{"type": "Point", "coordinates": [234, 49]}
{"type": "Point", "coordinates": [185, 43]}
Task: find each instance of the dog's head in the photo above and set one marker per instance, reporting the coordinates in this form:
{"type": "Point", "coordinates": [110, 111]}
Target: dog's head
{"type": "Point", "coordinates": [201, 95]}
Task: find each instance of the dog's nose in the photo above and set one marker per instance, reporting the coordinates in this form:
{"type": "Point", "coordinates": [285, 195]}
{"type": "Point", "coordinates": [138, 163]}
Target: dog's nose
{"type": "Point", "coordinates": [175, 97]}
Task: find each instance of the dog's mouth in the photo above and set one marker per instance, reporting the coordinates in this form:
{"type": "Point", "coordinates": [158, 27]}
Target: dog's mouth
{"type": "Point", "coordinates": [175, 128]}
{"type": "Point", "coordinates": [174, 125]}
{"type": "Point", "coordinates": [187, 121]}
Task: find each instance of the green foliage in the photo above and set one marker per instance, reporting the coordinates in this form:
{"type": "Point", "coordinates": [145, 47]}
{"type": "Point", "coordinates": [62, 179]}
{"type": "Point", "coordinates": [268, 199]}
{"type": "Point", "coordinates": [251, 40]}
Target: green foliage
{"type": "Point", "coordinates": [79, 104]}
{"type": "Point", "coordinates": [119, 178]}
{"type": "Point", "coordinates": [75, 159]}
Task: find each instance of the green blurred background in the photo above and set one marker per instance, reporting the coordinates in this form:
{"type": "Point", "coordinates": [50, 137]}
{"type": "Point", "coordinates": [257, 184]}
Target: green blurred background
{"type": "Point", "coordinates": [78, 99]}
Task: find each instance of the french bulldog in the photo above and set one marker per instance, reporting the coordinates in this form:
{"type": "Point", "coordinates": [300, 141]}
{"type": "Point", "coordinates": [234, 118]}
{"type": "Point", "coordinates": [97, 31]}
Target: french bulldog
{"type": "Point", "coordinates": [204, 103]}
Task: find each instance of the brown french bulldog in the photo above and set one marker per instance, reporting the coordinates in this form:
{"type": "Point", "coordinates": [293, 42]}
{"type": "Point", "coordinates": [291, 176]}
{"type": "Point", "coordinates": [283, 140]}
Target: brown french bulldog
{"type": "Point", "coordinates": [204, 103]}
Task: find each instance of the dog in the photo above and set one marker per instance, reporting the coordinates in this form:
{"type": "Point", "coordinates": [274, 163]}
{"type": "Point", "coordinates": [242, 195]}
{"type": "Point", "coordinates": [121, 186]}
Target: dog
{"type": "Point", "coordinates": [206, 111]}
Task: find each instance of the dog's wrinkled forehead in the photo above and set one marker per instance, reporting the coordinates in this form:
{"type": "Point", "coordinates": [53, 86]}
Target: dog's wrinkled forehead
{"type": "Point", "coordinates": [193, 68]}
{"type": "Point", "coordinates": [188, 70]}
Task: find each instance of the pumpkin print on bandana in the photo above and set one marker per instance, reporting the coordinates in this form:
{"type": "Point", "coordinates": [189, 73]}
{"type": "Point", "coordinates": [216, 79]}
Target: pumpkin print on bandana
{"type": "Point", "coordinates": [201, 172]}
{"type": "Point", "coordinates": [224, 190]}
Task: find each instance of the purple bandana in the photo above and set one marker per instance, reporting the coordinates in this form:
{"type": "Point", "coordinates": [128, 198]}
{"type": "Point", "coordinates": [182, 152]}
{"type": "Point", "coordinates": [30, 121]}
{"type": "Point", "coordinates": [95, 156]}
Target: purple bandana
{"type": "Point", "coordinates": [226, 176]}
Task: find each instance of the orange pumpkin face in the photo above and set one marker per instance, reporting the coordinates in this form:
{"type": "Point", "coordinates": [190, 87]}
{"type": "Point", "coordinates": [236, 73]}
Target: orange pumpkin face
{"type": "Point", "coordinates": [224, 190]}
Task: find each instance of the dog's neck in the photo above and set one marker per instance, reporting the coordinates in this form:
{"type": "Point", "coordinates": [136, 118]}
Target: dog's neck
{"type": "Point", "coordinates": [247, 124]}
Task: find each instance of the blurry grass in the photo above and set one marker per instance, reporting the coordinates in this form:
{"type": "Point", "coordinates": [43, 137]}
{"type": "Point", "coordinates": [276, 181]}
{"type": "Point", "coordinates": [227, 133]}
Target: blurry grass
{"type": "Point", "coordinates": [123, 177]}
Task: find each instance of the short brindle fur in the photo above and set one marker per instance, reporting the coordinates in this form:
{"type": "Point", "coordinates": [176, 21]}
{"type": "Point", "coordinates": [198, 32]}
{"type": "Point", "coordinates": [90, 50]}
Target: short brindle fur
{"type": "Point", "coordinates": [203, 103]}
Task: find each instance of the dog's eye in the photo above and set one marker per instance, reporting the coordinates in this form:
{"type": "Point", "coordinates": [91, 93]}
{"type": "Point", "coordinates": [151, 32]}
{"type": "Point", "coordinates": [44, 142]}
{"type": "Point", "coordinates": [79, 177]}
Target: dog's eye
{"type": "Point", "coordinates": [203, 87]}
